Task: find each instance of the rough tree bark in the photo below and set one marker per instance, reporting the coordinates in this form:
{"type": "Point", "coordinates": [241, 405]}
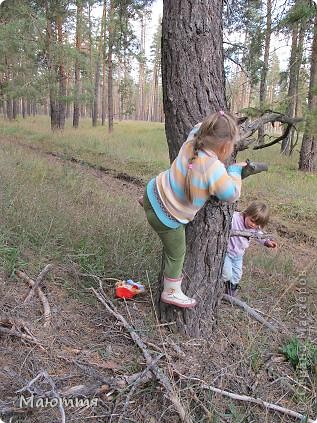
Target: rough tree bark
{"type": "Point", "coordinates": [110, 66]}
{"type": "Point", "coordinates": [193, 87]}
{"type": "Point", "coordinates": [62, 77]}
{"type": "Point", "coordinates": [265, 67]}
{"type": "Point", "coordinates": [308, 152]}
{"type": "Point", "coordinates": [97, 69]}
{"type": "Point", "coordinates": [51, 68]}
{"type": "Point", "coordinates": [296, 57]}
{"type": "Point", "coordinates": [76, 111]}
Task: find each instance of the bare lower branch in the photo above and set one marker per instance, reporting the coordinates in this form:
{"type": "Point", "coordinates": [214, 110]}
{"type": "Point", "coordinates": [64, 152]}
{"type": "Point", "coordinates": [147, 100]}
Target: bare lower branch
{"type": "Point", "coordinates": [269, 116]}
{"type": "Point", "coordinates": [276, 140]}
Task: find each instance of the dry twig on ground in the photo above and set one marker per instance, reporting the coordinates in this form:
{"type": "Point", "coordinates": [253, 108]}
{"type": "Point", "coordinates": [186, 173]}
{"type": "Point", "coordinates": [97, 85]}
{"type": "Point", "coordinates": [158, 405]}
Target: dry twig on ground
{"type": "Point", "coordinates": [157, 371]}
{"type": "Point", "coordinates": [41, 295]}
{"type": "Point", "coordinates": [18, 328]}
{"type": "Point", "coordinates": [250, 311]}
{"type": "Point", "coordinates": [38, 281]}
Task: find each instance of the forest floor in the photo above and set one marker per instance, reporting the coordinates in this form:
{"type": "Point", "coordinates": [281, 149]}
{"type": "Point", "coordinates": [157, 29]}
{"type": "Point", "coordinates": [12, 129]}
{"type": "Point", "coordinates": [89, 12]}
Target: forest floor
{"type": "Point", "coordinates": [50, 202]}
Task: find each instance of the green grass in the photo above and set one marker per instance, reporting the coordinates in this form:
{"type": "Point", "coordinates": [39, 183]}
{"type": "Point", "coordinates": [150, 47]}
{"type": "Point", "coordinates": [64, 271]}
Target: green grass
{"type": "Point", "coordinates": [137, 148]}
{"type": "Point", "coordinates": [59, 214]}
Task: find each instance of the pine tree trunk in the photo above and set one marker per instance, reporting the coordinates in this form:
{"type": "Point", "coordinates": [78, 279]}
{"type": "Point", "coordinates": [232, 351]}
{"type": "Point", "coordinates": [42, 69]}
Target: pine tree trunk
{"type": "Point", "coordinates": [97, 68]}
{"type": "Point", "coordinates": [308, 152]}
{"type": "Point", "coordinates": [14, 108]}
{"type": "Point", "coordinates": [141, 112]}
{"type": "Point", "coordinates": [110, 70]}
{"type": "Point", "coordinates": [76, 111]}
{"type": "Point", "coordinates": [9, 108]}
{"type": "Point", "coordinates": [61, 77]}
{"type": "Point", "coordinates": [23, 108]}
{"type": "Point", "coordinates": [51, 71]}
{"type": "Point", "coordinates": [193, 87]}
{"type": "Point", "coordinates": [298, 33]}
{"type": "Point", "coordinates": [265, 67]}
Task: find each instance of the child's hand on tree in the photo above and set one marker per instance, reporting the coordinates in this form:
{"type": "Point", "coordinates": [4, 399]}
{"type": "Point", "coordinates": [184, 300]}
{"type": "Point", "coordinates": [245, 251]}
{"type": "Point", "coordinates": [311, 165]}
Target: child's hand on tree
{"type": "Point", "coordinates": [270, 244]}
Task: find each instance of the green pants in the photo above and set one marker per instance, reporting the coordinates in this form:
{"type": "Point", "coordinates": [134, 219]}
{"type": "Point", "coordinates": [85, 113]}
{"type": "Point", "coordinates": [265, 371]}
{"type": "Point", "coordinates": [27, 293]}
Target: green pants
{"type": "Point", "coordinates": [173, 240]}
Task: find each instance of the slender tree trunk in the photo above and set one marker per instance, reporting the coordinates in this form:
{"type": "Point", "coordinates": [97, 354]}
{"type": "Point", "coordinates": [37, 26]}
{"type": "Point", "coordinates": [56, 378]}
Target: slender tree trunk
{"type": "Point", "coordinates": [308, 152]}
{"type": "Point", "coordinates": [9, 108]}
{"type": "Point", "coordinates": [110, 70]}
{"type": "Point", "coordinates": [76, 112]}
{"type": "Point", "coordinates": [51, 70]}
{"type": "Point", "coordinates": [104, 88]}
{"type": "Point", "coordinates": [193, 87]}
{"type": "Point", "coordinates": [61, 77]}
{"type": "Point", "coordinates": [23, 108]}
{"type": "Point", "coordinates": [265, 67]}
{"type": "Point", "coordinates": [294, 68]}
{"type": "Point", "coordinates": [141, 100]}
{"type": "Point", "coordinates": [97, 69]}
{"type": "Point", "coordinates": [14, 108]}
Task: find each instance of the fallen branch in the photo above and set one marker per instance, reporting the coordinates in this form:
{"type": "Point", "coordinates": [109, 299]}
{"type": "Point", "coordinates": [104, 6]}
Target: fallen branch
{"type": "Point", "coordinates": [41, 295]}
{"type": "Point", "coordinates": [249, 310]}
{"type": "Point", "coordinates": [19, 329]}
{"type": "Point", "coordinates": [250, 234]}
{"type": "Point", "coordinates": [38, 281]}
{"type": "Point", "coordinates": [135, 384]}
{"type": "Point", "coordinates": [159, 373]}
{"type": "Point", "coordinates": [54, 392]}
{"type": "Point", "coordinates": [259, 401]}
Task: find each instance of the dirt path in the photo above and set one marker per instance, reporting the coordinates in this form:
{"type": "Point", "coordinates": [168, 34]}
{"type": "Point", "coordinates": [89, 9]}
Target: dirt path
{"type": "Point", "coordinates": [114, 181]}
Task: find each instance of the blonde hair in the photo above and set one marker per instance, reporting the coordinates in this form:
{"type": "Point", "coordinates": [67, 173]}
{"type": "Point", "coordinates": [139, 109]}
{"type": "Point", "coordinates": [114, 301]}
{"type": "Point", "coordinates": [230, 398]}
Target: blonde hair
{"type": "Point", "coordinates": [215, 129]}
{"type": "Point", "coordinates": [258, 212]}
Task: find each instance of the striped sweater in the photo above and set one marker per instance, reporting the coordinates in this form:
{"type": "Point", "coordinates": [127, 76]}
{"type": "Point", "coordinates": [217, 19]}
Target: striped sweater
{"type": "Point", "coordinates": [166, 192]}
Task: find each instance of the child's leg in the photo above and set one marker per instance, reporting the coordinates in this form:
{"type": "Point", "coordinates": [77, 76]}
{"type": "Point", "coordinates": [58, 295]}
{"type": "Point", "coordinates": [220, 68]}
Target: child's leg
{"type": "Point", "coordinates": [227, 269]}
{"type": "Point", "coordinates": [236, 269]}
{"type": "Point", "coordinates": [174, 249]}
{"type": "Point", "coordinates": [228, 275]}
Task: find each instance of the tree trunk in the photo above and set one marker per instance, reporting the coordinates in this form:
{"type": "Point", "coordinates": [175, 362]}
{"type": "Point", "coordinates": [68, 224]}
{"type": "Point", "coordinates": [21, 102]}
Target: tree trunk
{"type": "Point", "coordinates": [61, 77]}
{"type": "Point", "coordinates": [294, 69]}
{"type": "Point", "coordinates": [9, 108]}
{"type": "Point", "coordinates": [110, 82]}
{"type": "Point", "coordinates": [76, 112]}
{"type": "Point", "coordinates": [140, 110]}
{"type": "Point", "coordinates": [308, 152]}
{"type": "Point", "coordinates": [23, 108]}
{"type": "Point", "coordinates": [193, 87]}
{"type": "Point", "coordinates": [265, 67]}
{"type": "Point", "coordinates": [51, 70]}
{"type": "Point", "coordinates": [97, 69]}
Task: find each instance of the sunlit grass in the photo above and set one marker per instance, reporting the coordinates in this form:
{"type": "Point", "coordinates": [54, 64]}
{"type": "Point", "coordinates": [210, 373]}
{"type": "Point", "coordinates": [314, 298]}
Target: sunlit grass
{"type": "Point", "coordinates": [59, 214]}
{"type": "Point", "coordinates": [56, 209]}
{"type": "Point", "coordinates": [138, 148]}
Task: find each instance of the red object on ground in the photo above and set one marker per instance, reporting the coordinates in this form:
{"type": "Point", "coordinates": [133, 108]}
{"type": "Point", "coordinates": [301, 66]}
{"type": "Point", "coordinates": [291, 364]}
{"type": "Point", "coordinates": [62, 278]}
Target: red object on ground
{"type": "Point", "coordinates": [126, 292]}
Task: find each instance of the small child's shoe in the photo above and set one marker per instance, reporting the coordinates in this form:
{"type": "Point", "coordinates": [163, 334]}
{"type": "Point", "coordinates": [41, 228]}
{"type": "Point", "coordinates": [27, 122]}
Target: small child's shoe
{"type": "Point", "coordinates": [173, 294]}
{"type": "Point", "coordinates": [231, 288]}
